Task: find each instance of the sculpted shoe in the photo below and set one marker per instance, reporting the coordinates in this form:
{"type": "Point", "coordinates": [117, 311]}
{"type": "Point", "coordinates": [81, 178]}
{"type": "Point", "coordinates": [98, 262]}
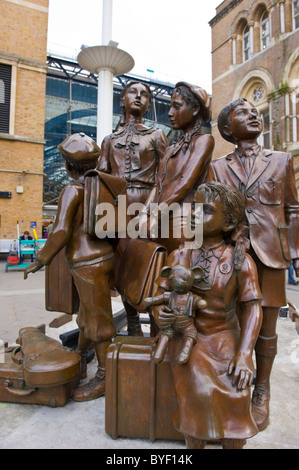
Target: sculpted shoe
{"type": "Point", "coordinates": [95, 388]}
{"type": "Point", "coordinates": [193, 443]}
{"type": "Point", "coordinates": [260, 408]}
{"type": "Point", "coordinates": [160, 349]}
{"type": "Point", "coordinates": [233, 443]}
{"type": "Point", "coordinates": [184, 355]}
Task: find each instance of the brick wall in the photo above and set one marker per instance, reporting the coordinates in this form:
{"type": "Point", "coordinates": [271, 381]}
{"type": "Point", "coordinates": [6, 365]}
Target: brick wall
{"type": "Point", "coordinates": [23, 31]}
{"type": "Point", "coordinates": [23, 46]}
{"type": "Point", "coordinates": [269, 65]}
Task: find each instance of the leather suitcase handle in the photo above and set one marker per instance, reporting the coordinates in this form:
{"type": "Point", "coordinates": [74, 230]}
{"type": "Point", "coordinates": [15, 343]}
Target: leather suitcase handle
{"type": "Point", "coordinates": [20, 393]}
{"type": "Point", "coordinates": [14, 358]}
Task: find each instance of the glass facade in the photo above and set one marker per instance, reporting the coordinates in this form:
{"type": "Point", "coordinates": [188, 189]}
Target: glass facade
{"type": "Point", "coordinates": [71, 106]}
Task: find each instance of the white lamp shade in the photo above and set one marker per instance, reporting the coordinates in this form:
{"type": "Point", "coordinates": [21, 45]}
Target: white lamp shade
{"type": "Point", "coordinates": [97, 58]}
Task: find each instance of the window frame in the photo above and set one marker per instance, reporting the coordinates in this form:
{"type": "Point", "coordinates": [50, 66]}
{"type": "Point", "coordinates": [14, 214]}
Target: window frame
{"type": "Point", "coordinates": [264, 21]}
{"type": "Point", "coordinates": [261, 140]}
{"type": "Point", "coordinates": [246, 35]}
{"type": "Point", "coordinates": [295, 16]}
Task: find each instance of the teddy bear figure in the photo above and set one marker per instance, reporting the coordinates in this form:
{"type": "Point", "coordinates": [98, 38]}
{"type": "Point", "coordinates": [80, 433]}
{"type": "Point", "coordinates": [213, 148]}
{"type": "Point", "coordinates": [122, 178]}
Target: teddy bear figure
{"type": "Point", "coordinates": [181, 305]}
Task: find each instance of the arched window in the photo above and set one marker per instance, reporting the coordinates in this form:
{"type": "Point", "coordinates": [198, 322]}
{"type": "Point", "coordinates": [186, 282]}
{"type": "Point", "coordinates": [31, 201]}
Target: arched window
{"type": "Point", "coordinates": [265, 30]}
{"type": "Point", "coordinates": [295, 14]}
{"type": "Point", "coordinates": [246, 43]}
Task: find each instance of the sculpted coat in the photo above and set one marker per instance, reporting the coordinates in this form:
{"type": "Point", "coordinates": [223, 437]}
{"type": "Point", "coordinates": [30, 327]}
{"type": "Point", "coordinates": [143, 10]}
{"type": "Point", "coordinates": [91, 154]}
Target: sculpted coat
{"type": "Point", "coordinates": [272, 209]}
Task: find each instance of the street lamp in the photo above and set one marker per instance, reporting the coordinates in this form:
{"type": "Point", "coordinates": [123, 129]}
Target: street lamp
{"type": "Point", "coordinates": [105, 61]}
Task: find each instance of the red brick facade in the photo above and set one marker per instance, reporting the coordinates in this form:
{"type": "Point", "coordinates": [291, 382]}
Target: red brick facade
{"type": "Point", "coordinates": [23, 47]}
{"type": "Point", "coordinates": [268, 75]}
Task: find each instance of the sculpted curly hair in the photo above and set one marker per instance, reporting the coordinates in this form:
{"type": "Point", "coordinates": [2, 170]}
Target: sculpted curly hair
{"type": "Point", "coordinates": [233, 209]}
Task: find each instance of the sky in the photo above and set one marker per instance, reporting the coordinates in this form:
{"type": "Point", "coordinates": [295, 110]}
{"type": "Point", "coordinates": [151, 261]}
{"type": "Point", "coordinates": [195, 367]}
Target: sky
{"type": "Point", "coordinates": [169, 40]}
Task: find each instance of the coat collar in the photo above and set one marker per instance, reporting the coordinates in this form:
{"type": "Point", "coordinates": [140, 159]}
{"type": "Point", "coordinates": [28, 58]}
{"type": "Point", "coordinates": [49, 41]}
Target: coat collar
{"type": "Point", "coordinates": [260, 166]}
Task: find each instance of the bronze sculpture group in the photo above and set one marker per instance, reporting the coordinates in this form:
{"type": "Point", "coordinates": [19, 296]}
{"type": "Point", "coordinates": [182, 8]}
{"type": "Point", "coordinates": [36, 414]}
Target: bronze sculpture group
{"type": "Point", "coordinates": [250, 217]}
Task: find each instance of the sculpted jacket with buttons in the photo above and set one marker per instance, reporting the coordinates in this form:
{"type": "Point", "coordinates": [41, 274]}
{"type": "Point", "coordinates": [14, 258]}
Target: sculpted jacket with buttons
{"type": "Point", "coordinates": [134, 153]}
{"type": "Point", "coordinates": [272, 208]}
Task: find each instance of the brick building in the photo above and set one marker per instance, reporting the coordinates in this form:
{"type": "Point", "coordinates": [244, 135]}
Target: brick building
{"type": "Point", "coordinates": [255, 55]}
{"type": "Point", "coordinates": [23, 56]}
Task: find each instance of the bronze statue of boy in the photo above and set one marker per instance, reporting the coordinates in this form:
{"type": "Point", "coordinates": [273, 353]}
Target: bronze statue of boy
{"type": "Point", "coordinates": [90, 260]}
{"type": "Point", "coordinates": [266, 179]}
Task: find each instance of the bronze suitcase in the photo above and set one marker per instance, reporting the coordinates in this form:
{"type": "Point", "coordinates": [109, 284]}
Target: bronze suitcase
{"type": "Point", "coordinates": [61, 292]}
{"type": "Point", "coordinates": [39, 372]}
{"type": "Point", "coordinates": [140, 397]}
{"type": "Point", "coordinates": [136, 281]}
{"type": "Point", "coordinates": [103, 188]}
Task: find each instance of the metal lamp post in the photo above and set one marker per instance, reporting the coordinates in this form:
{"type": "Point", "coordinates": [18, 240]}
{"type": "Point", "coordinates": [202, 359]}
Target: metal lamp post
{"type": "Point", "coordinates": [105, 61]}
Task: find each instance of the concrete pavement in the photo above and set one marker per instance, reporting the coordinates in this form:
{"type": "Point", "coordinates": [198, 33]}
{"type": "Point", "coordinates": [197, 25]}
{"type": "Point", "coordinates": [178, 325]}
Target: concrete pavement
{"type": "Point", "coordinates": [82, 425]}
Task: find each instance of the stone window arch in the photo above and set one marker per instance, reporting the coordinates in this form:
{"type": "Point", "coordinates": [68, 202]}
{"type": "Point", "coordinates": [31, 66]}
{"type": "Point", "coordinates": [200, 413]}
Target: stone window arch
{"type": "Point", "coordinates": [236, 34]}
{"type": "Point", "coordinates": [261, 18]}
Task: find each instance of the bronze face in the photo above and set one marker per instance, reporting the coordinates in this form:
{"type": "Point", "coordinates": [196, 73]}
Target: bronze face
{"type": "Point", "coordinates": [246, 122]}
{"type": "Point", "coordinates": [181, 116]}
{"type": "Point", "coordinates": [136, 99]}
{"type": "Point", "coordinates": [213, 218]}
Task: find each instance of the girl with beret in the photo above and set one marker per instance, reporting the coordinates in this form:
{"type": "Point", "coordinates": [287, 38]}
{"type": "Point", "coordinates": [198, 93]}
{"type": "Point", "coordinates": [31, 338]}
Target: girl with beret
{"type": "Point", "coordinates": [185, 163]}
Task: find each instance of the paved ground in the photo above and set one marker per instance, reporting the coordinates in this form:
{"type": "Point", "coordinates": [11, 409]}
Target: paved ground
{"type": "Point", "coordinates": [82, 425]}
